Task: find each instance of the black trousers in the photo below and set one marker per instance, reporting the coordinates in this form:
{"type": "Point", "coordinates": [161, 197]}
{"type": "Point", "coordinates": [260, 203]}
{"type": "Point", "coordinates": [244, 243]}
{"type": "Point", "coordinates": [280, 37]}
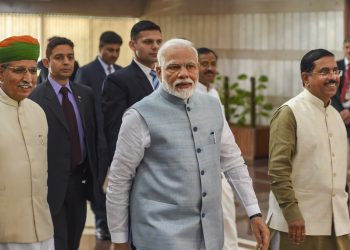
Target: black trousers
{"type": "Point", "coordinates": [69, 222]}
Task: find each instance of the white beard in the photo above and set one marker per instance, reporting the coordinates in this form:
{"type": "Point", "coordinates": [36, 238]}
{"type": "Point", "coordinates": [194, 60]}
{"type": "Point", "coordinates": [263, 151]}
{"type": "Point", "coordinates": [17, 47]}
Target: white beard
{"type": "Point", "coordinates": [181, 93]}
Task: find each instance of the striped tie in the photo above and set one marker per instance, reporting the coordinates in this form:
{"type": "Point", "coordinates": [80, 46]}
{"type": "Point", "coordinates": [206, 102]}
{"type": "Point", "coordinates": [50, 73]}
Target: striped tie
{"type": "Point", "coordinates": [155, 81]}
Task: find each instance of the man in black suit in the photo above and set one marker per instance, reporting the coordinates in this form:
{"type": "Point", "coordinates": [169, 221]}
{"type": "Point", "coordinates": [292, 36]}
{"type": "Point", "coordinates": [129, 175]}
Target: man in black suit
{"type": "Point", "coordinates": [129, 85]}
{"type": "Point", "coordinates": [93, 75]}
{"type": "Point", "coordinates": [72, 139]}
{"type": "Point", "coordinates": [341, 101]}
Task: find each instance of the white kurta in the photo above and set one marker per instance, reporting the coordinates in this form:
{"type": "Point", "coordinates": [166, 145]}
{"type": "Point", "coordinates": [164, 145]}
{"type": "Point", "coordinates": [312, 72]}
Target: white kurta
{"type": "Point", "coordinates": [25, 220]}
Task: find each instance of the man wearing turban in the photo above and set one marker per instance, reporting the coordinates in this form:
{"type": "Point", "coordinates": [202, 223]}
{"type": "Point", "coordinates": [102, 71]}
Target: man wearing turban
{"type": "Point", "coordinates": [25, 220]}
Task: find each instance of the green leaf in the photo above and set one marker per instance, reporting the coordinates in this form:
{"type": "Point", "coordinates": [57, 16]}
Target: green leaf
{"type": "Point", "coordinates": [242, 92]}
{"type": "Point", "coordinates": [261, 86]}
{"type": "Point", "coordinates": [259, 99]}
{"type": "Point", "coordinates": [262, 113]}
{"type": "Point", "coordinates": [242, 77]}
{"type": "Point", "coordinates": [263, 78]}
{"type": "Point", "coordinates": [234, 85]}
{"type": "Point", "coordinates": [268, 106]}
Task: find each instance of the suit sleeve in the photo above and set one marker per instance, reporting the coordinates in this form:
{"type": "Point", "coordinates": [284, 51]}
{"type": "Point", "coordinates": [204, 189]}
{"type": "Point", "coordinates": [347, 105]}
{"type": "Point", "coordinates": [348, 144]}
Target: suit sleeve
{"type": "Point", "coordinates": [114, 104]}
{"type": "Point", "coordinates": [79, 76]}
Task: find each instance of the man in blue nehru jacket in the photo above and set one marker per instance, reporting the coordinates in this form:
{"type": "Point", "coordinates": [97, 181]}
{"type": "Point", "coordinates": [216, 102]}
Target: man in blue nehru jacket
{"type": "Point", "coordinates": [166, 171]}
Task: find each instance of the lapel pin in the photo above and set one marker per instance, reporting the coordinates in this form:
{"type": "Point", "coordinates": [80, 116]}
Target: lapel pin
{"type": "Point", "coordinates": [79, 98]}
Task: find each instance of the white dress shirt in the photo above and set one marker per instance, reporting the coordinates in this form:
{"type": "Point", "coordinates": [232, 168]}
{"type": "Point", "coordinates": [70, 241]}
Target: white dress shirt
{"type": "Point", "coordinates": [133, 138]}
{"type": "Point", "coordinates": [105, 66]}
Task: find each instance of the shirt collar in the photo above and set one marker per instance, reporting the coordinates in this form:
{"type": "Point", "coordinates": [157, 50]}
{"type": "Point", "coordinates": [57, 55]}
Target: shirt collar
{"type": "Point", "coordinates": [56, 86]}
{"type": "Point", "coordinates": [104, 65]}
{"type": "Point", "coordinates": [315, 100]}
{"type": "Point", "coordinates": [201, 88]}
{"type": "Point", "coordinates": [6, 99]}
{"type": "Point", "coordinates": [144, 68]}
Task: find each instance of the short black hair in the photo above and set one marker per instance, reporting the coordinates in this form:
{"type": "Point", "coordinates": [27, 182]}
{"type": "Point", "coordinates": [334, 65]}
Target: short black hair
{"type": "Point", "coordinates": [142, 26]}
{"type": "Point", "coordinates": [55, 41]}
{"type": "Point", "coordinates": [307, 62]}
{"type": "Point", "coordinates": [110, 37]}
{"type": "Point", "coordinates": [204, 50]}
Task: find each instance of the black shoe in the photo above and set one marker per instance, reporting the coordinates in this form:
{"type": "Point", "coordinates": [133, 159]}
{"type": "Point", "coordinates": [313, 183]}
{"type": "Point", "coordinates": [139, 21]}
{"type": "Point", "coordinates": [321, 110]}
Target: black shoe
{"type": "Point", "coordinates": [102, 234]}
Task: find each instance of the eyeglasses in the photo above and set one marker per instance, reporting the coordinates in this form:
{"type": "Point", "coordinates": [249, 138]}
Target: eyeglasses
{"type": "Point", "coordinates": [173, 68]}
{"type": "Point", "coordinates": [22, 70]}
{"type": "Point", "coordinates": [328, 72]}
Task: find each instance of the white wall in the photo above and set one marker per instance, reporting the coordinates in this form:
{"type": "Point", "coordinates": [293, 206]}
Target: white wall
{"type": "Point", "coordinates": [270, 43]}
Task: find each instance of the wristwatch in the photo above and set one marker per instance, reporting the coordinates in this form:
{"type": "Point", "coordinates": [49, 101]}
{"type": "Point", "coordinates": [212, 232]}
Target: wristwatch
{"type": "Point", "coordinates": [255, 215]}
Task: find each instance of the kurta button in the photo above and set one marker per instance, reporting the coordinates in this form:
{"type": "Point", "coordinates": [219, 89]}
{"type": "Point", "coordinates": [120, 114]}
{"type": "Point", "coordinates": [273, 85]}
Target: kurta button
{"type": "Point", "coordinates": [195, 129]}
{"type": "Point", "coordinates": [199, 150]}
{"type": "Point", "coordinates": [203, 215]}
{"type": "Point", "coordinates": [333, 194]}
{"type": "Point", "coordinates": [204, 194]}
{"type": "Point", "coordinates": [334, 174]}
{"type": "Point", "coordinates": [202, 172]}
{"type": "Point", "coordinates": [188, 108]}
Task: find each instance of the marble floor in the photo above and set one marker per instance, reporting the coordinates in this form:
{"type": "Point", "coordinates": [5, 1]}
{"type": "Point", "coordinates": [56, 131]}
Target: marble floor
{"type": "Point", "coordinates": [258, 172]}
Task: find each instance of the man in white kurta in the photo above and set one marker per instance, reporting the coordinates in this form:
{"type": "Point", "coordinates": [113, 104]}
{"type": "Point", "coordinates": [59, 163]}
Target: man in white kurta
{"type": "Point", "coordinates": [25, 220]}
{"type": "Point", "coordinates": [207, 59]}
{"type": "Point", "coordinates": [308, 164]}
{"type": "Point", "coordinates": [138, 141]}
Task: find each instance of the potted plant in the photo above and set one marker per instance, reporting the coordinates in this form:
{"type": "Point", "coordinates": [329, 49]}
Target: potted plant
{"type": "Point", "coordinates": [243, 108]}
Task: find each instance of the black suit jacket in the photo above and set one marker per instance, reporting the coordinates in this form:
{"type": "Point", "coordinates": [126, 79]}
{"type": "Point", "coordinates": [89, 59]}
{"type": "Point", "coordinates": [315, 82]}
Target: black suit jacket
{"type": "Point", "coordinates": [336, 102]}
{"type": "Point", "coordinates": [93, 76]}
{"type": "Point", "coordinates": [59, 160]}
{"type": "Point", "coordinates": [121, 90]}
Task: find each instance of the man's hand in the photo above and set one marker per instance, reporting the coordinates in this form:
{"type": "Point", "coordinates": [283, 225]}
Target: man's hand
{"type": "Point", "coordinates": [120, 246]}
{"type": "Point", "coordinates": [345, 115]}
{"type": "Point", "coordinates": [296, 231]}
{"type": "Point", "coordinates": [261, 232]}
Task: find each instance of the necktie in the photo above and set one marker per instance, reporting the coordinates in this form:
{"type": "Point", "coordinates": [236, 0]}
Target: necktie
{"type": "Point", "coordinates": [109, 69]}
{"type": "Point", "coordinates": [345, 88]}
{"type": "Point", "coordinates": [69, 113]}
{"type": "Point", "coordinates": [155, 81]}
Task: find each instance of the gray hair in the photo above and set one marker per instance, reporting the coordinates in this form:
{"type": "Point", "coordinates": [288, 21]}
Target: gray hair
{"type": "Point", "coordinates": [175, 42]}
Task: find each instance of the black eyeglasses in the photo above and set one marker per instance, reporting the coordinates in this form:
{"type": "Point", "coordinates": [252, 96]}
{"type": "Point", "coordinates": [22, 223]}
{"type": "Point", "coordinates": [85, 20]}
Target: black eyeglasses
{"type": "Point", "coordinates": [22, 70]}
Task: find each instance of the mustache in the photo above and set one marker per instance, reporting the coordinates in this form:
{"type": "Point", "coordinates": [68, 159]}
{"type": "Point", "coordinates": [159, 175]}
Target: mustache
{"type": "Point", "coordinates": [179, 81]}
{"type": "Point", "coordinates": [24, 84]}
{"type": "Point", "coordinates": [331, 82]}
{"type": "Point", "coordinates": [209, 71]}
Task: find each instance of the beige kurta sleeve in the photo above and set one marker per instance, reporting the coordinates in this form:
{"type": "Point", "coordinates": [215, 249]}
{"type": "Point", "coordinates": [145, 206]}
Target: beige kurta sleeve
{"type": "Point", "coordinates": [282, 149]}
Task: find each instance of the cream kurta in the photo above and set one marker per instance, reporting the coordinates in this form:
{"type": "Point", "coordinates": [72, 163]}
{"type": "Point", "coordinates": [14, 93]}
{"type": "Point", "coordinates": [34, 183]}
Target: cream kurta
{"type": "Point", "coordinates": [318, 169]}
{"type": "Point", "coordinates": [24, 211]}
